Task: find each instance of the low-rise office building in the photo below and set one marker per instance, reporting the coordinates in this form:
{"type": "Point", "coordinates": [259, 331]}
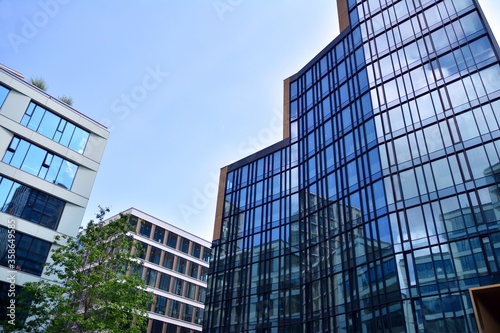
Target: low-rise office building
{"type": "Point", "coordinates": [175, 269]}
{"type": "Point", "coordinates": [49, 157]}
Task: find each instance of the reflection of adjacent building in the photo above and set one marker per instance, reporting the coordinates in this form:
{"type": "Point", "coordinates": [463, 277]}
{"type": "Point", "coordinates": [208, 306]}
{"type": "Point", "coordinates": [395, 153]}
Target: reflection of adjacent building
{"type": "Point", "coordinates": [297, 282]}
{"type": "Point", "coordinates": [379, 209]}
{"type": "Point", "coordinates": [462, 222]}
{"type": "Point", "coordinates": [49, 157]}
{"type": "Point", "coordinates": [18, 202]}
{"type": "Point", "coordinates": [441, 272]}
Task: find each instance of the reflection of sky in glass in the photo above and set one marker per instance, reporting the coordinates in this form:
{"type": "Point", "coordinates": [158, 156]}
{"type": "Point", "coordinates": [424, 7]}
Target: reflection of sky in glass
{"type": "Point", "coordinates": [33, 160]}
{"type": "Point", "coordinates": [54, 127]}
{"type": "Point", "coordinates": [39, 162]}
{"type": "Point", "coordinates": [49, 124]}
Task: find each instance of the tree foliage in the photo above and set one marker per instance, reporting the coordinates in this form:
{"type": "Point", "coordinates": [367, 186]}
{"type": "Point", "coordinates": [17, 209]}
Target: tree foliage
{"type": "Point", "coordinates": [66, 99]}
{"type": "Point", "coordinates": [39, 83]}
{"type": "Point", "coordinates": [101, 290]}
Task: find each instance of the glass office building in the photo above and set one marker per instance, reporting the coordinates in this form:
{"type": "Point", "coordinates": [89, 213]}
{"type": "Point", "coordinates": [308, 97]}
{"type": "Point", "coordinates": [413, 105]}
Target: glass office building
{"type": "Point", "coordinates": [379, 211]}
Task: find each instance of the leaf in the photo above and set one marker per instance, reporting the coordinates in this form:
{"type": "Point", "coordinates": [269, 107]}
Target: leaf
{"type": "Point", "coordinates": [96, 289]}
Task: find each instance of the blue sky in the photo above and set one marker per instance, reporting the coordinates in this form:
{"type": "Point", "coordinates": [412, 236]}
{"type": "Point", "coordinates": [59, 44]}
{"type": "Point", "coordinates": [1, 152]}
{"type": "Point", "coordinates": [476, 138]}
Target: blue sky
{"type": "Point", "coordinates": [185, 87]}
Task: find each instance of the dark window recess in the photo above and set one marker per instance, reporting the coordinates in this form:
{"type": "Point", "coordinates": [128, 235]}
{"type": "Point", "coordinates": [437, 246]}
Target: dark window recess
{"type": "Point", "coordinates": [172, 240]}
{"type": "Point", "coordinates": [184, 245]}
{"type": "Point", "coordinates": [145, 228]}
{"type": "Point", "coordinates": [30, 204]}
{"type": "Point", "coordinates": [133, 222]}
{"type": "Point", "coordinates": [31, 252]}
{"type": "Point", "coordinates": [154, 255]}
{"type": "Point", "coordinates": [159, 234]}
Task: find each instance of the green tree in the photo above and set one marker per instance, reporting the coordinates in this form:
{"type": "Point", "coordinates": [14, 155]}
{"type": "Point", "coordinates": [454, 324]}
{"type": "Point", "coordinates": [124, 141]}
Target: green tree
{"type": "Point", "coordinates": [66, 99]}
{"type": "Point", "coordinates": [39, 83]}
{"type": "Point", "coordinates": [101, 290]}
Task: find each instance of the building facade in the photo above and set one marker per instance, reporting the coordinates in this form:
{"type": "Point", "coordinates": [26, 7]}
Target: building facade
{"type": "Point", "coordinates": [379, 210]}
{"type": "Point", "coordinates": [50, 154]}
{"type": "Point", "coordinates": [175, 270]}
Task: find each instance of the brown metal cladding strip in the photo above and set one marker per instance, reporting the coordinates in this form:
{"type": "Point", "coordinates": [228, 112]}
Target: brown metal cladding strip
{"type": "Point", "coordinates": [343, 13]}
{"type": "Point", "coordinates": [219, 210]}
{"type": "Point", "coordinates": [286, 108]}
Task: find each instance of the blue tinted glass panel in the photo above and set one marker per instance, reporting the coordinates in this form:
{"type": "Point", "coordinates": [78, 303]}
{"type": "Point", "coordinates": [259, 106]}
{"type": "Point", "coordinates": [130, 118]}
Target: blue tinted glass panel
{"type": "Point", "coordinates": [293, 89]}
{"type": "Point", "coordinates": [54, 127]}
{"type": "Point", "coordinates": [471, 24]}
{"type": "Point", "coordinates": [482, 50]}
{"type": "Point", "coordinates": [37, 161]}
{"type": "Point", "coordinates": [55, 165]}
{"type": "Point", "coordinates": [31, 253]}
{"type": "Point", "coordinates": [66, 174]}
{"type": "Point", "coordinates": [490, 78]}
{"type": "Point", "coordinates": [33, 160]}
{"type": "Point", "coordinates": [67, 132]}
{"type": "Point", "coordinates": [19, 150]}
{"type": "Point", "coordinates": [49, 124]}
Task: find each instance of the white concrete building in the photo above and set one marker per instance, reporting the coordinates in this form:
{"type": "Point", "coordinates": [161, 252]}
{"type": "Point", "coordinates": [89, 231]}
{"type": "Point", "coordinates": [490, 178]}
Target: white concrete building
{"type": "Point", "coordinates": [49, 157]}
{"type": "Point", "coordinates": [175, 269]}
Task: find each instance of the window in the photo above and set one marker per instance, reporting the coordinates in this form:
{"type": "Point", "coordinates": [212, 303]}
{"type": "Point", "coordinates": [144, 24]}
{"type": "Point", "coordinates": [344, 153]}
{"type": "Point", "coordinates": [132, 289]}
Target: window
{"type": "Point", "coordinates": [159, 234]}
{"type": "Point", "coordinates": [133, 223]}
{"type": "Point", "coordinates": [478, 161]}
{"type": "Point", "coordinates": [157, 326]}
{"type": "Point", "coordinates": [54, 127]}
{"type": "Point", "coordinates": [154, 255]}
{"type": "Point", "coordinates": [161, 304]}
{"type": "Point", "coordinates": [190, 290]}
{"type": "Point", "coordinates": [172, 240]}
{"type": "Point", "coordinates": [467, 126]}
{"type": "Point", "coordinates": [31, 253]}
{"type": "Point", "coordinates": [151, 275]}
{"type": "Point", "coordinates": [30, 204]}
{"type": "Point", "coordinates": [206, 254]}
{"type": "Point", "coordinates": [3, 94]}
{"type": "Point", "coordinates": [196, 250]}
{"type": "Point", "coordinates": [184, 245]}
{"type": "Point", "coordinates": [171, 328]}
{"type": "Point", "coordinates": [145, 229]}
{"type": "Point", "coordinates": [193, 270]}
{"type": "Point", "coordinates": [482, 50]}
{"type": "Point", "coordinates": [178, 284]}
{"type": "Point", "coordinates": [137, 270]}
{"type": "Point", "coordinates": [188, 313]}
{"type": "Point", "coordinates": [141, 249]}
{"type": "Point", "coordinates": [168, 260]}
{"type": "Point", "coordinates": [28, 157]}
{"type": "Point", "coordinates": [490, 79]}
{"type": "Point", "coordinates": [204, 273]}
{"type": "Point", "coordinates": [199, 316]}
{"type": "Point", "coordinates": [181, 265]}
{"type": "Point", "coordinates": [173, 310]}
{"type": "Point", "coordinates": [471, 24]}
{"type": "Point", "coordinates": [201, 294]}
{"type": "Point", "coordinates": [164, 282]}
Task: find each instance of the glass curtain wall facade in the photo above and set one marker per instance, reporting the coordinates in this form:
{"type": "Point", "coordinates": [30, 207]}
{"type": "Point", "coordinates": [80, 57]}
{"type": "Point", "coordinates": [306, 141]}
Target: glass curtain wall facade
{"type": "Point", "coordinates": [380, 208]}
